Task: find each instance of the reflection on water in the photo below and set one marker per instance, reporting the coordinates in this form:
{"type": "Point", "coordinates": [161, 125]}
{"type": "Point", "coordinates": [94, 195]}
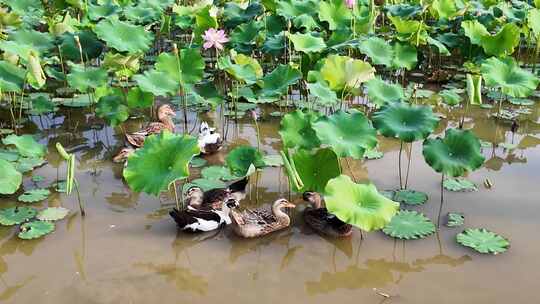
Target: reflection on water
{"type": "Point", "coordinates": [182, 278]}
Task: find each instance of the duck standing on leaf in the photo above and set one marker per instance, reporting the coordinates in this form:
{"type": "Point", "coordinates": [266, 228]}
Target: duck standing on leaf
{"type": "Point", "coordinates": [260, 222]}
{"type": "Point", "coordinates": [165, 114]}
{"type": "Point", "coordinates": [209, 140]}
{"type": "Point", "coordinates": [321, 221]}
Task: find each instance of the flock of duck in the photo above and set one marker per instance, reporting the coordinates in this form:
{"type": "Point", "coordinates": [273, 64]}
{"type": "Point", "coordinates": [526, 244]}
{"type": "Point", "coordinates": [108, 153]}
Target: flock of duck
{"type": "Point", "coordinates": [213, 209]}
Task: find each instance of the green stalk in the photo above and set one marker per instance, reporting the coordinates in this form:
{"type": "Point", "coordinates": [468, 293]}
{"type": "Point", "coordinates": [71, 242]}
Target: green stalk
{"type": "Point", "coordinates": [289, 169]}
{"type": "Point", "coordinates": [297, 176]}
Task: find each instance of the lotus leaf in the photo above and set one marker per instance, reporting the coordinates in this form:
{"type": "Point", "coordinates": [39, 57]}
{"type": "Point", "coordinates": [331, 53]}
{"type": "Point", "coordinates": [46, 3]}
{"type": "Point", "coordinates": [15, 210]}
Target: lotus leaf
{"type": "Point", "coordinates": [483, 241]}
{"type": "Point", "coordinates": [297, 131]}
{"type": "Point", "coordinates": [323, 94]}
{"type": "Point", "coordinates": [52, 214]}
{"type": "Point", "coordinates": [378, 50]}
{"type": "Point", "coordinates": [277, 82]}
{"type": "Point", "coordinates": [343, 72]}
{"type": "Point", "coordinates": [241, 158]}
{"type": "Point", "coordinates": [502, 43]}
{"type": "Point", "coordinates": [26, 145]}
{"type": "Point", "coordinates": [404, 121]}
{"type": "Point", "coordinates": [410, 197]}
{"type": "Point", "coordinates": [208, 184]}
{"type": "Point", "coordinates": [446, 9]}
{"type": "Point", "coordinates": [10, 179]}
{"type": "Point", "coordinates": [112, 109]}
{"type": "Point", "coordinates": [218, 172]}
{"type": "Point", "coordinates": [16, 215]}
{"type": "Point", "coordinates": [373, 154]}
{"type": "Point", "coordinates": [42, 42]}
{"type": "Point", "coordinates": [42, 105]}
{"type": "Point", "coordinates": [455, 154]}
{"type": "Point", "coordinates": [247, 72]}
{"type": "Point", "coordinates": [157, 83]}
{"type": "Point", "coordinates": [163, 159]}
{"type": "Point", "coordinates": [336, 13]}
{"type": "Point", "coordinates": [188, 67]}
{"type": "Point", "coordinates": [381, 92]}
{"type": "Point", "coordinates": [273, 161]}
{"type": "Point", "coordinates": [455, 219]}
{"type": "Point", "coordinates": [360, 205]}
{"type": "Point", "coordinates": [450, 97]}
{"type": "Point", "coordinates": [315, 169]}
{"type": "Point", "coordinates": [84, 78]}
{"type": "Point", "coordinates": [409, 225]}
{"type": "Point", "coordinates": [509, 77]}
{"type": "Point", "coordinates": [34, 195]}
{"type": "Point", "coordinates": [26, 164]}
{"type": "Point", "coordinates": [307, 43]}
{"type": "Point", "coordinates": [459, 184]}
{"type": "Point", "coordinates": [11, 77]}
{"type": "Point", "coordinates": [90, 45]}
{"type": "Point", "coordinates": [124, 36]}
{"type": "Point", "coordinates": [197, 162]}
{"type": "Point", "coordinates": [349, 134]}
{"type": "Point", "coordinates": [234, 14]}
{"type": "Point", "coordinates": [136, 98]}
{"type": "Point", "coordinates": [35, 229]}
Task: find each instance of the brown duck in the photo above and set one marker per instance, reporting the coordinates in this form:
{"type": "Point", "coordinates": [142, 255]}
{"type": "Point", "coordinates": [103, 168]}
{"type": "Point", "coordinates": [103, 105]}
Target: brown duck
{"type": "Point", "coordinates": [165, 114]}
{"type": "Point", "coordinates": [322, 221]}
{"type": "Point", "coordinates": [259, 222]}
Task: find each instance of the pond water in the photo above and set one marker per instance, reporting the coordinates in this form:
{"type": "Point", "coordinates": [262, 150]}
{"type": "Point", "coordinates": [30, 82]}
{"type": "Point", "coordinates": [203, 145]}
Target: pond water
{"type": "Point", "coordinates": [128, 250]}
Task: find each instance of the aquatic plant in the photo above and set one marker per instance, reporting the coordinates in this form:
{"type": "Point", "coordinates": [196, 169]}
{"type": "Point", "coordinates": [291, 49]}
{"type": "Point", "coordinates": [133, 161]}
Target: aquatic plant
{"type": "Point", "coordinates": [483, 241]}
{"type": "Point", "coordinates": [214, 38]}
{"type": "Point", "coordinates": [71, 181]}
{"type": "Point", "coordinates": [52, 214]}
{"type": "Point", "coordinates": [240, 159]}
{"type": "Point", "coordinates": [11, 179]}
{"type": "Point", "coordinates": [455, 219]}
{"type": "Point", "coordinates": [16, 215]}
{"type": "Point", "coordinates": [35, 229]}
{"type": "Point", "coordinates": [409, 225]}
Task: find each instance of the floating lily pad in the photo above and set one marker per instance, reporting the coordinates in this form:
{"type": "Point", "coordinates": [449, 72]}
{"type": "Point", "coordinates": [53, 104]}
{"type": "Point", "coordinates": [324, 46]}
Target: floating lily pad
{"type": "Point", "coordinates": [34, 195]}
{"type": "Point", "coordinates": [409, 225]}
{"type": "Point", "coordinates": [37, 178]}
{"type": "Point", "coordinates": [217, 173]}
{"type": "Point", "coordinates": [455, 219]}
{"type": "Point", "coordinates": [459, 185]}
{"type": "Point", "coordinates": [373, 154]}
{"type": "Point", "coordinates": [10, 179]}
{"type": "Point", "coordinates": [483, 241]}
{"type": "Point", "coordinates": [52, 214]}
{"type": "Point", "coordinates": [410, 197]}
{"type": "Point", "coordinates": [35, 229]}
{"type": "Point", "coordinates": [27, 164]}
{"type": "Point", "coordinates": [16, 215]}
{"type": "Point", "coordinates": [26, 145]}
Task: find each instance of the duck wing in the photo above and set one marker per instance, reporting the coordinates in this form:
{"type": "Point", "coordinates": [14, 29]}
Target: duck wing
{"type": "Point", "coordinates": [326, 223]}
{"type": "Point", "coordinates": [196, 220]}
{"type": "Point", "coordinates": [213, 199]}
{"type": "Point", "coordinates": [136, 139]}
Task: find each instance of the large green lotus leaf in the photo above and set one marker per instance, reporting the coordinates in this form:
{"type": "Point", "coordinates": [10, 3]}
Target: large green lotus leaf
{"type": "Point", "coordinates": [509, 77]}
{"type": "Point", "coordinates": [323, 95]}
{"type": "Point", "coordinates": [234, 14]}
{"type": "Point", "coordinates": [381, 92]}
{"type": "Point", "coordinates": [163, 159]}
{"type": "Point", "coordinates": [316, 168]}
{"type": "Point", "coordinates": [307, 43]}
{"type": "Point", "coordinates": [52, 214]}
{"type": "Point", "coordinates": [42, 104]}
{"type": "Point", "coordinates": [404, 10]}
{"type": "Point", "coordinates": [502, 43]}
{"type": "Point", "coordinates": [474, 30]}
{"type": "Point", "coordinates": [34, 195]}
{"type": "Point", "coordinates": [274, 45]}
{"type": "Point", "coordinates": [136, 98]}
{"type": "Point", "coordinates": [533, 21]}
{"type": "Point", "coordinates": [446, 9]}
{"type": "Point", "coordinates": [26, 145]}
{"type": "Point", "coordinates": [218, 172]}
{"type": "Point", "coordinates": [157, 83]}
{"type": "Point", "coordinates": [450, 97]}
{"type": "Point", "coordinates": [297, 131]}
{"type": "Point", "coordinates": [439, 45]}
{"type": "Point", "coordinates": [483, 241]}
{"type": "Point", "coordinates": [245, 34]}
{"type": "Point", "coordinates": [83, 78]}
{"type": "Point", "coordinates": [105, 10]}
{"type": "Point", "coordinates": [187, 68]}
{"type": "Point", "coordinates": [39, 41]}
{"type": "Point", "coordinates": [360, 205]}
{"type": "Point", "coordinates": [349, 134]}
{"type": "Point", "coordinates": [16, 215]}
{"type": "Point", "coordinates": [11, 77]}
{"type": "Point", "coordinates": [404, 121]}
{"type": "Point", "coordinates": [409, 225]}
{"type": "Point", "coordinates": [240, 159]}
{"type": "Point", "coordinates": [336, 13]}
{"type": "Point", "coordinates": [378, 49]}
{"type": "Point", "coordinates": [247, 72]}
{"type": "Point", "coordinates": [405, 27]}
{"type": "Point", "coordinates": [35, 229]}
{"type": "Point", "coordinates": [290, 9]}
{"type": "Point", "coordinates": [90, 44]}
{"type": "Point", "coordinates": [278, 81]}
{"type": "Point", "coordinates": [124, 36]}
{"type": "Point", "coordinates": [344, 72]}
{"type": "Point", "coordinates": [112, 109]}
{"type": "Point", "coordinates": [10, 179]}
{"type": "Point", "coordinates": [455, 154]}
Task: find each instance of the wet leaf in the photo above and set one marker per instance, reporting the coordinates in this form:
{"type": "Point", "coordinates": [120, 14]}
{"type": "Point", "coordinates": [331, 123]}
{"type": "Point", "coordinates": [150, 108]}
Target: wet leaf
{"type": "Point", "coordinates": [16, 215]}
{"type": "Point", "coordinates": [35, 229]}
{"type": "Point", "coordinates": [34, 195]}
{"type": "Point", "coordinates": [483, 241]}
{"type": "Point", "coordinates": [10, 179]}
{"type": "Point", "coordinates": [409, 225]}
{"type": "Point", "coordinates": [26, 145]}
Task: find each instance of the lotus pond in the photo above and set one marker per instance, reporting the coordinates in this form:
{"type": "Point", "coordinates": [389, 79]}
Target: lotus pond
{"type": "Point", "coordinates": [416, 121]}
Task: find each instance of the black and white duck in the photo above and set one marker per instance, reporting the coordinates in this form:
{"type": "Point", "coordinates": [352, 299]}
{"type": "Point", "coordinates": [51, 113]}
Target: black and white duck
{"type": "Point", "coordinates": [209, 140]}
{"type": "Point", "coordinates": [195, 220]}
{"type": "Point", "coordinates": [213, 199]}
{"type": "Point", "coordinates": [321, 221]}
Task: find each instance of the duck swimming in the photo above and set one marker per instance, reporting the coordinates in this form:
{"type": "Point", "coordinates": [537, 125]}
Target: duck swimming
{"type": "Point", "coordinates": [259, 222]}
{"type": "Point", "coordinates": [322, 221]}
{"type": "Point", "coordinates": [194, 220]}
{"type": "Point", "coordinates": [123, 155]}
{"type": "Point", "coordinates": [212, 200]}
{"type": "Point", "coordinates": [165, 114]}
{"type": "Point", "coordinates": [209, 140]}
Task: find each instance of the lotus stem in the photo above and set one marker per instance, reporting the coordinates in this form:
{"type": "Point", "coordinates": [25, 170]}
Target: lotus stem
{"type": "Point", "coordinates": [289, 169]}
{"type": "Point", "coordinates": [173, 184]}
{"type": "Point", "coordinates": [81, 206]}
{"type": "Point", "coordinates": [350, 169]}
{"type": "Point", "coordinates": [408, 165]}
{"type": "Point", "coordinates": [293, 166]}
{"type": "Point", "coordinates": [442, 200]}
{"type": "Point", "coordinates": [399, 164]}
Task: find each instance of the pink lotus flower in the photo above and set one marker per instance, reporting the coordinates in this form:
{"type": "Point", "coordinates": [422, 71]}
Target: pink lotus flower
{"type": "Point", "coordinates": [350, 3]}
{"type": "Point", "coordinates": [214, 39]}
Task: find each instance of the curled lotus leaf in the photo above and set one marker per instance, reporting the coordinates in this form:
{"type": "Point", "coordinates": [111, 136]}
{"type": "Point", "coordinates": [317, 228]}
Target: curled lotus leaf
{"type": "Point", "coordinates": [343, 72]}
{"type": "Point", "coordinates": [52, 214]}
{"type": "Point", "coordinates": [483, 241]}
{"type": "Point", "coordinates": [409, 225]}
{"type": "Point", "coordinates": [297, 130]}
{"type": "Point", "coordinates": [316, 168]}
{"type": "Point", "coordinates": [349, 134]}
{"type": "Point", "coordinates": [404, 121]}
{"type": "Point", "coordinates": [455, 154]}
{"type": "Point", "coordinates": [35, 229]}
{"type": "Point", "coordinates": [34, 195]}
{"type": "Point", "coordinates": [10, 179]}
{"type": "Point", "coordinates": [16, 215]}
{"type": "Point", "coordinates": [360, 205]}
{"type": "Point", "coordinates": [163, 159]}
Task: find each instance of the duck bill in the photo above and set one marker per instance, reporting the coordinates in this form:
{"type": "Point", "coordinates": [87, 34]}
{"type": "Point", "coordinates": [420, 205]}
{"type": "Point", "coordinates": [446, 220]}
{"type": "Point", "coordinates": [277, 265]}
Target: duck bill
{"type": "Point", "coordinates": [289, 205]}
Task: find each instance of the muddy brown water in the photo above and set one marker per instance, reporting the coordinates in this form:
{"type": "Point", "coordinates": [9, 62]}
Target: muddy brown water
{"type": "Point", "coordinates": [128, 250]}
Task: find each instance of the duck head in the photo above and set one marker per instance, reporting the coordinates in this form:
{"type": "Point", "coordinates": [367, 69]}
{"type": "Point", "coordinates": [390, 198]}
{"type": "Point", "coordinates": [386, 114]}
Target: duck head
{"type": "Point", "coordinates": [314, 198]}
{"type": "Point", "coordinates": [123, 155]}
{"type": "Point", "coordinates": [165, 112]}
{"type": "Point", "coordinates": [282, 203]}
{"type": "Point", "coordinates": [194, 196]}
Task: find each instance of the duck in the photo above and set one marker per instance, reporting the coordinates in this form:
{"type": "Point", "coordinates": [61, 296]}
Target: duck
{"type": "Point", "coordinates": [321, 221]}
{"type": "Point", "coordinates": [165, 114]}
{"type": "Point", "coordinates": [195, 220]}
{"type": "Point", "coordinates": [196, 198]}
{"type": "Point", "coordinates": [209, 140]}
{"type": "Point", "coordinates": [123, 155]}
{"type": "Point", "coordinates": [260, 222]}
